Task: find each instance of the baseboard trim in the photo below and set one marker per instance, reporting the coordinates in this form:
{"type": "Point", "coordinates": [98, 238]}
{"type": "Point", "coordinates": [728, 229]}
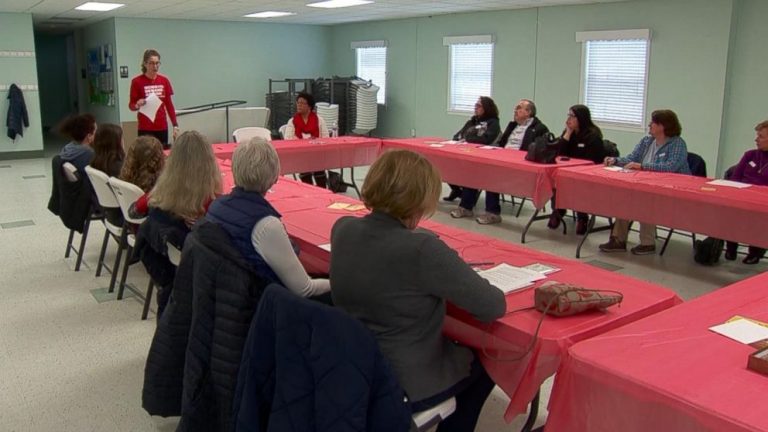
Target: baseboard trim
{"type": "Point", "coordinates": [31, 154]}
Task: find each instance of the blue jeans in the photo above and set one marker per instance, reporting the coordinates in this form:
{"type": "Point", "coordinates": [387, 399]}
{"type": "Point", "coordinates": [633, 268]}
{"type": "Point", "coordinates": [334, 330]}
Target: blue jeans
{"type": "Point", "coordinates": [469, 199]}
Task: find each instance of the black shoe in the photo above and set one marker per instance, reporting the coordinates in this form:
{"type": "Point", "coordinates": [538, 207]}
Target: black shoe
{"type": "Point", "coordinates": [452, 196]}
{"type": "Point", "coordinates": [730, 255]}
{"type": "Point", "coordinates": [751, 259]}
{"type": "Point", "coordinates": [581, 227]}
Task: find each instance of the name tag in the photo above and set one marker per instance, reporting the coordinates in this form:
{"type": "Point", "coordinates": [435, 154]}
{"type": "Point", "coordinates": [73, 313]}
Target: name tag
{"type": "Point", "coordinates": [662, 154]}
{"type": "Point", "coordinates": [580, 145]}
{"type": "Point", "coordinates": [752, 164]}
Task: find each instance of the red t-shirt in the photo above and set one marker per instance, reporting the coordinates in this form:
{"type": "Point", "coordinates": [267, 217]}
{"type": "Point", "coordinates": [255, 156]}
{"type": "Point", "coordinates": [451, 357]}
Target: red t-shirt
{"type": "Point", "coordinates": [141, 88]}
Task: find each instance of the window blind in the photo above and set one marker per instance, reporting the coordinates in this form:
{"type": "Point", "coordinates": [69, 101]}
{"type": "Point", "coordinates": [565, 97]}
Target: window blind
{"type": "Point", "coordinates": [471, 74]}
{"type": "Point", "coordinates": [372, 66]}
{"type": "Point", "coordinates": [615, 80]}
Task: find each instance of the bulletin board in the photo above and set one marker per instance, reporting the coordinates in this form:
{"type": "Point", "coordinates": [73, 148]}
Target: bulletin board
{"type": "Point", "coordinates": [101, 80]}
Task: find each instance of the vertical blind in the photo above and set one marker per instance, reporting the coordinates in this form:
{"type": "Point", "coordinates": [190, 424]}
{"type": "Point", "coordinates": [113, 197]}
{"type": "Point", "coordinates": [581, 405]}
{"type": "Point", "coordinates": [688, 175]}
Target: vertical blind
{"type": "Point", "coordinates": [615, 80]}
{"type": "Point", "coordinates": [471, 74]}
{"type": "Point", "coordinates": [372, 66]}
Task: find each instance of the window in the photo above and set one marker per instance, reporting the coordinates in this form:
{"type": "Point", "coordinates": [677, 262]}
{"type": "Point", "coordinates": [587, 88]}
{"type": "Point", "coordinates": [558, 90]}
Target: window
{"type": "Point", "coordinates": [371, 61]}
{"type": "Point", "coordinates": [615, 76]}
{"type": "Point", "coordinates": [471, 70]}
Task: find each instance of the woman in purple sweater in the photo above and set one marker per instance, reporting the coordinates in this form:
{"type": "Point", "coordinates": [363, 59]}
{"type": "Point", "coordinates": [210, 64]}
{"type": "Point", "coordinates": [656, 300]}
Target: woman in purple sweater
{"type": "Point", "coordinates": [753, 169]}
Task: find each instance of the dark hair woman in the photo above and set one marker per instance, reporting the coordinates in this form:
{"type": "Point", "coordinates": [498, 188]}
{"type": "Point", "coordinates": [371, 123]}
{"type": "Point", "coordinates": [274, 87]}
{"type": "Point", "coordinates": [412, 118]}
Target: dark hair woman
{"type": "Point", "coordinates": [108, 149]}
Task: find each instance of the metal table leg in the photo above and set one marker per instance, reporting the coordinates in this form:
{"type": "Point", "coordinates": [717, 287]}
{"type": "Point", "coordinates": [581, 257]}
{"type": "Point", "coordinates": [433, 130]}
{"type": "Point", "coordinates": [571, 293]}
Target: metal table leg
{"type": "Point", "coordinates": [528, 426]}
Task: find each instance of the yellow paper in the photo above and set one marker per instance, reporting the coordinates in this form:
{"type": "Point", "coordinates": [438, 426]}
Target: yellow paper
{"type": "Point", "coordinates": [338, 206]}
{"type": "Point", "coordinates": [708, 189]}
{"type": "Point", "coordinates": [355, 207]}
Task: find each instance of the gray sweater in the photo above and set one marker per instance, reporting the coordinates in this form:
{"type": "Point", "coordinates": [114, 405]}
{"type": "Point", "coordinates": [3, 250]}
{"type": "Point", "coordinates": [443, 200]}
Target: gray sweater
{"type": "Point", "coordinates": [396, 281]}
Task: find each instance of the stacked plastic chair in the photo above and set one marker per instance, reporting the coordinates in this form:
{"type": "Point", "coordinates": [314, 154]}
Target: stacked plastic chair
{"type": "Point", "coordinates": [329, 113]}
{"type": "Point", "coordinates": [363, 106]}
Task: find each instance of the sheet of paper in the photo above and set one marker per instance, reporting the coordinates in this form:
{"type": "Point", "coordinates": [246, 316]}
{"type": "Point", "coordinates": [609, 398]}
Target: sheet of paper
{"type": "Point", "coordinates": [510, 278]}
{"type": "Point", "coordinates": [729, 183]}
{"type": "Point", "coordinates": [338, 206]}
{"type": "Point", "coordinates": [490, 147]}
{"type": "Point", "coordinates": [542, 268]}
{"type": "Point", "coordinates": [436, 145]}
{"type": "Point", "coordinates": [613, 168]}
{"type": "Point", "coordinates": [150, 108]}
{"type": "Point", "coordinates": [355, 207]}
{"type": "Point", "coordinates": [449, 142]}
{"type": "Point", "coordinates": [326, 246]}
{"type": "Point", "coordinates": [742, 330]}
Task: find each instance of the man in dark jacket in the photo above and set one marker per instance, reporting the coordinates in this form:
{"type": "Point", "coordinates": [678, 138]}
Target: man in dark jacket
{"type": "Point", "coordinates": [195, 354]}
{"type": "Point", "coordinates": [18, 118]}
{"type": "Point", "coordinates": [311, 367]}
{"type": "Point", "coordinates": [519, 134]}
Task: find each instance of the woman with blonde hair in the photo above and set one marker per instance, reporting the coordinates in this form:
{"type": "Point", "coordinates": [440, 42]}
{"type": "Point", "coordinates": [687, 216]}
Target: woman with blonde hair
{"type": "Point", "coordinates": [190, 180]}
{"type": "Point", "coordinates": [397, 279]}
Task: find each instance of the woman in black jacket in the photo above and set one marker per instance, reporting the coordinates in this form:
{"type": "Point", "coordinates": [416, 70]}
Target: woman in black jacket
{"type": "Point", "coordinates": [581, 139]}
{"type": "Point", "coordinates": [482, 128]}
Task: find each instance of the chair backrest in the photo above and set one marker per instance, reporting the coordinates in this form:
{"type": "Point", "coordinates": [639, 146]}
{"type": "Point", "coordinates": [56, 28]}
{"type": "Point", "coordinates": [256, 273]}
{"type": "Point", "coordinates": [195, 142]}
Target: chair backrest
{"type": "Point", "coordinates": [70, 172]}
{"type": "Point", "coordinates": [126, 194]}
{"type": "Point", "coordinates": [246, 133]}
{"type": "Point", "coordinates": [174, 254]}
{"type": "Point", "coordinates": [100, 182]}
{"type": "Point", "coordinates": [729, 172]}
{"type": "Point", "coordinates": [697, 165]}
{"type": "Point", "coordinates": [282, 130]}
{"type": "Point", "coordinates": [611, 149]}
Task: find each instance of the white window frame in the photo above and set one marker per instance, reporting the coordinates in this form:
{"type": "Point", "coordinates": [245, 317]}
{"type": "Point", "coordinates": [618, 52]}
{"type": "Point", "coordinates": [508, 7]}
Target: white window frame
{"type": "Point", "coordinates": [374, 44]}
{"type": "Point", "coordinates": [609, 35]}
{"type": "Point", "coordinates": [465, 40]}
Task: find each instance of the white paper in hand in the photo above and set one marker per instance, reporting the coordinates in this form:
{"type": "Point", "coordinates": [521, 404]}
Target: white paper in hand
{"type": "Point", "coordinates": [151, 106]}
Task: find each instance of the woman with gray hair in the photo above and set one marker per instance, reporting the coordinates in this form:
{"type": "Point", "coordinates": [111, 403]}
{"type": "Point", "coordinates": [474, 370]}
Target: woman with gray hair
{"type": "Point", "coordinates": [254, 225]}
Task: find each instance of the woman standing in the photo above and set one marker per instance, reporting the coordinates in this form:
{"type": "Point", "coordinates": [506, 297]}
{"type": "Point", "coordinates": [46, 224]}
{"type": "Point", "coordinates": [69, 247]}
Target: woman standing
{"type": "Point", "coordinates": [142, 87]}
{"type": "Point", "coordinates": [306, 124]}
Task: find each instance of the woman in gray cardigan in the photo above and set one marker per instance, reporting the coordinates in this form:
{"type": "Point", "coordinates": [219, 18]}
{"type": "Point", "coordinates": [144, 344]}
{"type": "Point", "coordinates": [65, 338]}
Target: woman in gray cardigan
{"type": "Point", "coordinates": [396, 279]}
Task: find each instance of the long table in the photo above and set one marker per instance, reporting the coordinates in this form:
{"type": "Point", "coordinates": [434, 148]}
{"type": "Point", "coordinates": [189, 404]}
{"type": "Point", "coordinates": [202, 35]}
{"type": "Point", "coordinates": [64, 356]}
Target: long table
{"type": "Point", "coordinates": [309, 219]}
{"type": "Point", "coordinates": [489, 168]}
{"type": "Point", "coordinates": [667, 372]}
{"type": "Point", "coordinates": [673, 200]}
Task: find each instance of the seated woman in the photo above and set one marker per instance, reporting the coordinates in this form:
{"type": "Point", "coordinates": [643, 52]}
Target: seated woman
{"type": "Point", "coordinates": [306, 124]}
{"type": "Point", "coordinates": [481, 128]}
{"type": "Point", "coordinates": [753, 169]}
{"type": "Point", "coordinates": [397, 279]}
{"type": "Point", "coordinates": [662, 150]}
{"type": "Point", "coordinates": [80, 129]}
{"type": "Point", "coordinates": [142, 167]}
{"type": "Point", "coordinates": [581, 139]}
{"type": "Point", "coordinates": [254, 225]}
{"type": "Point", "coordinates": [108, 149]}
{"type": "Point", "coordinates": [518, 135]}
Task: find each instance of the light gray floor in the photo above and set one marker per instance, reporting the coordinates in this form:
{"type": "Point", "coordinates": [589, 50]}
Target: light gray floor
{"type": "Point", "coordinates": [70, 363]}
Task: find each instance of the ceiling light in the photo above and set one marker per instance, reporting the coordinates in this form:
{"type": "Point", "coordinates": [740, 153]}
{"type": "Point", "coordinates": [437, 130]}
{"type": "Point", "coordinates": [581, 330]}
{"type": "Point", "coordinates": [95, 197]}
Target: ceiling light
{"type": "Point", "coordinates": [339, 3]}
{"type": "Point", "coordinates": [99, 7]}
{"type": "Point", "coordinates": [269, 14]}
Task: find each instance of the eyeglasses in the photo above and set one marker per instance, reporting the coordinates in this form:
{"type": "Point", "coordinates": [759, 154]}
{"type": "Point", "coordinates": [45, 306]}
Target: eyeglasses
{"type": "Point", "coordinates": [154, 63]}
{"type": "Point", "coordinates": [478, 105]}
{"type": "Point", "coordinates": [571, 115]}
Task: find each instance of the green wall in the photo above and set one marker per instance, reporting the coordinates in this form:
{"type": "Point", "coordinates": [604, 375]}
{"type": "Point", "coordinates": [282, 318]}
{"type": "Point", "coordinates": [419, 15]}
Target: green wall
{"type": "Point", "coordinates": [747, 92]}
{"type": "Point", "coordinates": [16, 35]}
{"type": "Point", "coordinates": [536, 56]}
{"type": "Point", "coordinates": [210, 61]}
{"type": "Point", "coordinates": [91, 37]}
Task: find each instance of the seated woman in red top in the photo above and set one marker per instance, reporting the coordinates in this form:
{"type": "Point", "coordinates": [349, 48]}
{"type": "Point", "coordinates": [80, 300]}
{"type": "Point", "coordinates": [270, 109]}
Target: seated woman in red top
{"type": "Point", "coordinates": [753, 169]}
{"type": "Point", "coordinates": [306, 124]}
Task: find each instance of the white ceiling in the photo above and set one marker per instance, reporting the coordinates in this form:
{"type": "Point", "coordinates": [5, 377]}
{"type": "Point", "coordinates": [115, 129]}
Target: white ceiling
{"type": "Point", "coordinates": [50, 14]}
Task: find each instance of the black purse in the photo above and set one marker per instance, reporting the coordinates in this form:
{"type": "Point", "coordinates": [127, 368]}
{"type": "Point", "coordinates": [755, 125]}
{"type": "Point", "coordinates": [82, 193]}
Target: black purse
{"type": "Point", "coordinates": [543, 149]}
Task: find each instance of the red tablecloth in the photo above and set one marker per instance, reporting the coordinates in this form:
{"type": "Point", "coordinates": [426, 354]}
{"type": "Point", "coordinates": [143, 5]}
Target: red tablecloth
{"type": "Point", "coordinates": [309, 221]}
{"type": "Point", "coordinates": [672, 200]}
{"type": "Point", "coordinates": [667, 372]}
{"type": "Point", "coordinates": [494, 169]}
{"type": "Point", "coordinates": [316, 155]}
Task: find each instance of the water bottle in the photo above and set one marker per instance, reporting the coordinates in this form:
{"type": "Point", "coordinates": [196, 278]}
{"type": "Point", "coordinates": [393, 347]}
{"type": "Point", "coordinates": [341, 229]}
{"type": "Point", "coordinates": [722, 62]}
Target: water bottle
{"type": "Point", "coordinates": [334, 131]}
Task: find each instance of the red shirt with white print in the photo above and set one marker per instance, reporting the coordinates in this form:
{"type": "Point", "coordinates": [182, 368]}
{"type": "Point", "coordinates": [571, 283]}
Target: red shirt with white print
{"type": "Point", "coordinates": [141, 88]}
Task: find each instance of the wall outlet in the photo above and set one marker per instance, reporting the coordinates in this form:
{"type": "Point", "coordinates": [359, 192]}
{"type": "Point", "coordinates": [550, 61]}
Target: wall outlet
{"type": "Point", "coordinates": [413, 133]}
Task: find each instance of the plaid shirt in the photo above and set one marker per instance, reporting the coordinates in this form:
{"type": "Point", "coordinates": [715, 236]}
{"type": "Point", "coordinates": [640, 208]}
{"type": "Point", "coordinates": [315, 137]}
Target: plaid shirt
{"type": "Point", "coordinates": [671, 157]}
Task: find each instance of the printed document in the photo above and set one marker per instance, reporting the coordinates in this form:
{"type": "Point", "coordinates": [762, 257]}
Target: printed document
{"type": "Point", "coordinates": [150, 108]}
{"type": "Point", "coordinates": [510, 278]}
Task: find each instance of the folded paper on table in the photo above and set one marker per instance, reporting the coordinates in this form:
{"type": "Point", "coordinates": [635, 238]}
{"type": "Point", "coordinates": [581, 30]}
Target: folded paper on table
{"type": "Point", "coordinates": [510, 278]}
{"type": "Point", "coordinates": [742, 330]}
{"type": "Point", "coordinates": [729, 183]}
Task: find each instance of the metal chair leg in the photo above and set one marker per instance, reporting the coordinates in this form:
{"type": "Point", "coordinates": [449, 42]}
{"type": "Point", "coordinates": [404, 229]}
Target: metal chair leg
{"type": "Point", "coordinates": [147, 299]}
{"type": "Point", "coordinates": [69, 243]}
{"type": "Point", "coordinates": [126, 264]}
{"type": "Point", "coordinates": [666, 242]}
{"type": "Point", "coordinates": [83, 238]}
{"type": "Point", "coordinates": [528, 426]}
{"type": "Point", "coordinates": [519, 209]}
{"type": "Point", "coordinates": [121, 244]}
{"type": "Point", "coordinates": [102, 253]}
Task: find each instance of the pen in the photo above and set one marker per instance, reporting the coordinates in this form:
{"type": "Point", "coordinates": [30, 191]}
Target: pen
{"type": "Point", "coordinates": [478, 264]}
